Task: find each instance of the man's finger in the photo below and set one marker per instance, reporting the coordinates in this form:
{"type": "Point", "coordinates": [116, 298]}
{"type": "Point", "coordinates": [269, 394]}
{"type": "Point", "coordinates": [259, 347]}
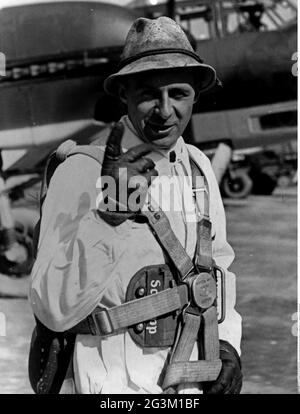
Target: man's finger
{"type": "Point", "coordinates": [137, 152]}
{"type": "Point", "coordinates": [113, 145]}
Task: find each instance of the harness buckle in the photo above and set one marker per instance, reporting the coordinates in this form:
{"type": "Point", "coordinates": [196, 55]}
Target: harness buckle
{"type": "Point", "coordinates": [221, 294]}
{"type": "Point", "coordinates": [102, 322]}
{"type": "Point", "coordinates": [203, 289]}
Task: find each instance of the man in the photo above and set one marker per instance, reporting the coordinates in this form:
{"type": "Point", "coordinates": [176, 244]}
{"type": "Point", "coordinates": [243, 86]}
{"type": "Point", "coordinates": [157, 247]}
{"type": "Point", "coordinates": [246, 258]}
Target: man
{"type": "Point", "coordinates": [95, 241]}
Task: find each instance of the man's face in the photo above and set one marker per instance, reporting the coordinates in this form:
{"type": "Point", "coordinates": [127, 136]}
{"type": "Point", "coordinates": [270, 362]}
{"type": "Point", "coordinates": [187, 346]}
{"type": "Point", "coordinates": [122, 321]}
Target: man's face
{"type": "Point", "coordinates": [160, 105]}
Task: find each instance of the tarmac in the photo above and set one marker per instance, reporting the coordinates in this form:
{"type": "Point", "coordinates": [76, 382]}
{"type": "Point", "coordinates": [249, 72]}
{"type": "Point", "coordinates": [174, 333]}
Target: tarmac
{"type": "Point", "coordinates": [263, 233]}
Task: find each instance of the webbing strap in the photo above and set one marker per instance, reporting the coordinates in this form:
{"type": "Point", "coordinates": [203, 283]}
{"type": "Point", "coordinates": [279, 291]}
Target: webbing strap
{"type": "Point", "coordinates": [108, 321]}
{"type": "Point", "coordinates": [180, 368]}
{"type": "Point", "coordinates": [200, 189]}
{"type": "Point", "coordinates": [91, 151]}
{"type": "Point", "coordinates": [203, 257]}
{"type": "Point", "coordinates": [192, 371]}
{"type": "Point", "coordinates": [162, 228]}
{"type": "Point", "coordinates": [188, 336]}
{"type": "Point", "coordinates": [160, 224]}
{"type": "Point", "coordinates": [211, 337]}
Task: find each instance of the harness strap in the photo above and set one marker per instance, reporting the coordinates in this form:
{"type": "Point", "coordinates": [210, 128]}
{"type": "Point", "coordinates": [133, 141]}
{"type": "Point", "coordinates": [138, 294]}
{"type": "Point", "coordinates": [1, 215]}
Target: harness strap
{"type": "Point", "coordinates": [179, 362]}
{"type": "Point", "coordinates": [180, 369]}
{"type": "Point", "coordinates": [191, 371]}
{"type": "Point", "coordinates": [200, 186]}
{"type": "Point", "coordinates": [203, 257]}
{"type": "Point", "coordinates": [211, 335]}
{"type": "Point", "coordinates": [184, 345]}
{"type": "Point", "coordinates": [108, 321]}
{"type": "Point", "coordinates": [160, 224]}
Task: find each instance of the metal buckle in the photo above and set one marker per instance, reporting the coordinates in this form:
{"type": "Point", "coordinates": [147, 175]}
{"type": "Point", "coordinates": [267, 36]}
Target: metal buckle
{"type": "Point", "coordinates": [203, 290]}
{"type": "Point", "coordinates": [197, 190]}
{"type": "Point", "coordinates": [102, 322]}
{"type": "Point", "coordinates": [222, 307]}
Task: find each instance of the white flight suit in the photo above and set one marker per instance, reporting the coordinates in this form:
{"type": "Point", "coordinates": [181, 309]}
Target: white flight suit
{"type": "Point", "coordinates": [83, 262]}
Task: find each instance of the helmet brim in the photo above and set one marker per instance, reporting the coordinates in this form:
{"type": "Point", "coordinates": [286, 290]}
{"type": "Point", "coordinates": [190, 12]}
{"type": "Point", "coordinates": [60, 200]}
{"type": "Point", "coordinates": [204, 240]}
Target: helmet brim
{"type": "Point", "coordinates": [205, 75]}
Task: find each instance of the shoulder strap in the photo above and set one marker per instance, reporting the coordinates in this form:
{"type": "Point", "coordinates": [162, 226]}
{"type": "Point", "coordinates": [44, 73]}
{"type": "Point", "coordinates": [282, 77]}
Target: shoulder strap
{"type": "Point", "coordinates": [200, 188]}
{"type": "Point", "coordinates": [160, 224]}
{"type": "Point", "coordinates": [203, 257]}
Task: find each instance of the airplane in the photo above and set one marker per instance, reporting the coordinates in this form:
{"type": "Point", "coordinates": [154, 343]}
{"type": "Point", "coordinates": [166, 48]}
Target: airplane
{"type": "Point", "coordinates": [57, 55]}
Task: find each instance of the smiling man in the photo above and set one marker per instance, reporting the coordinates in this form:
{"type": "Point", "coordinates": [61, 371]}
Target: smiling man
{"type": "Point", "coordinates": [136, 287]}
{"type": "Point", "coordinates": [160, 106]}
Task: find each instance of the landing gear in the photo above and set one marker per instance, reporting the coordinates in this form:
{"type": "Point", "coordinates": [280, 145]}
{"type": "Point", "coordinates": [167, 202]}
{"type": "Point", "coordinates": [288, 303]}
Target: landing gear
{"type": "Point", "coordinates": [16, 258]}
{"type": "Point", "coordinates": [16, 233]}
{"type": "Point", "coordinates": [236, 184]}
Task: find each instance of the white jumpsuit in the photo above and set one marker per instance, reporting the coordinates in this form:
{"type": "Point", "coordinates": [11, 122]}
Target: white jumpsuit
{"type": "Point", "coordinates": [83, 262]}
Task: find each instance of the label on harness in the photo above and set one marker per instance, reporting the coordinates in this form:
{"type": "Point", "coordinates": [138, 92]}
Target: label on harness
{"type": "Point", "coordinates": [159, 332]}
{"type": "Point", "coordinates": [153, 330]}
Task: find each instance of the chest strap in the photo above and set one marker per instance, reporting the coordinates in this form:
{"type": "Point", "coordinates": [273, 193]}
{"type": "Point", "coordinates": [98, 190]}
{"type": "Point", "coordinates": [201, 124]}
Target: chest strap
{"type": "Point", "coordinates": [109, 321]}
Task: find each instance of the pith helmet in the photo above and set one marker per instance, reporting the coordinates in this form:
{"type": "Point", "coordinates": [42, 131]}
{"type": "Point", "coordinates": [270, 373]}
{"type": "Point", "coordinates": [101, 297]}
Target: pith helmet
{"type": "Point", "coordinates": [158, 44]}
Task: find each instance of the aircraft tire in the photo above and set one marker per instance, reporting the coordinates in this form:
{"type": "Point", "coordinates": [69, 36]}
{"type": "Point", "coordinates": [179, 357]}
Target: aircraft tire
{"type": "Point", "coordinates": [10, 268]}
{"type": "Point", "coordinates": [284, 181]}
{"type": "Point", "coordinates": [238, 186]}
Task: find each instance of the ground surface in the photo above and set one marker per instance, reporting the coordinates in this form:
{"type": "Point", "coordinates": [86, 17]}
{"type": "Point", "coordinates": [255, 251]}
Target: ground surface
{"type": "Point", "coordinates": [263, 232]}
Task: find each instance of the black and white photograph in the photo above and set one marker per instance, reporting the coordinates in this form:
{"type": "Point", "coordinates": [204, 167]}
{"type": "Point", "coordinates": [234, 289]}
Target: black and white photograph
{"type": "Point", "coordinates": [148, 199]}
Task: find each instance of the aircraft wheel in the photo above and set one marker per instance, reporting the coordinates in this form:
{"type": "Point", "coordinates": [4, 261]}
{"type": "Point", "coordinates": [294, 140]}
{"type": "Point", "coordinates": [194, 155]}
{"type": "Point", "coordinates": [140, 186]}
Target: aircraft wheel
{"type": "Point", "coordinates": [283, 181]}
{"type": "Point", "coordinates": [236, 186]}
{"type": "Point", "coordinates": [24, 251]}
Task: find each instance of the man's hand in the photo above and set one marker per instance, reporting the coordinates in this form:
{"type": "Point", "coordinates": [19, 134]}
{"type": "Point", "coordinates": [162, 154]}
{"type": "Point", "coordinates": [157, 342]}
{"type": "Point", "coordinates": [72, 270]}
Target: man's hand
{"type": "Point", "coordinates": [128, 171]}
{"type": "Point", "coordinates": [230, 377]}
